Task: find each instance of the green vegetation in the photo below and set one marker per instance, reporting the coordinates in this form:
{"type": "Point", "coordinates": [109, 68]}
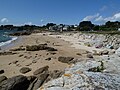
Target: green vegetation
{"type": "Point", "coordinates": [98, 68]}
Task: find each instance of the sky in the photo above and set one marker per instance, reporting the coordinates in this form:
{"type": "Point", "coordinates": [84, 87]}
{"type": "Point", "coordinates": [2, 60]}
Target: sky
{"type": "Point", "coordinates": [40, 12]}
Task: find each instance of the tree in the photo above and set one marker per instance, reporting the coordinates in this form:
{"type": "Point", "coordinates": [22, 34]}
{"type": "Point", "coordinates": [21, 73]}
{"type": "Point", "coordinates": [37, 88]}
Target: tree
{"type": "Point", "coordinates": [49, 24]}
{"type": "Point", "coordinates": [86, 25]}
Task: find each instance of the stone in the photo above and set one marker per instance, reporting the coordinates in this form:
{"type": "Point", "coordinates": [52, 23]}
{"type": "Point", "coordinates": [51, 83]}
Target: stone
{"type": "Point", "coordinates": [51, 49]}
{"type": "Point", "coordinates": [117, 52]}
{"type": "Point", "coordinates": [105, 52]}
{"type": "Point", "coordinates": [48, 59]}
{"type": "Point", "coordinates": [24, 70]}
{"type": "Point", "coordinates": [38, 81]}
{"type": "Point", "coordinates": [15, 62]}
{"type": "Point", "coordinates": [89, 56]}
{"type": "Point", "coordinates": [56, 73]}
{"type": "Point", "coordinates": [31, 78]}
{"type": "Point", "coordinates": [7, 53]}
{"type": "Point", "coordinates": [20, 33]}
{"type": "Point", "coordinates": [19, 82]}
{"type": "Point", "coordinates": [41, 70]}
{"type": "Point", "coordinates": [34, 61]}
{"type": "Point", "coordinates": [18, 49]}
{"type": "Point", "coordinates": [1, 71]}
{"type": "Point", "coordinates": [99, 45]}
{"type": "Point", "coordinates": [2, 78]}
{"type": "Point", "coordinates": [65, 59]}
{"type": "Point", "coordinates": [36, 47]}
{"type": "Point", "coordinates": [78, 78]}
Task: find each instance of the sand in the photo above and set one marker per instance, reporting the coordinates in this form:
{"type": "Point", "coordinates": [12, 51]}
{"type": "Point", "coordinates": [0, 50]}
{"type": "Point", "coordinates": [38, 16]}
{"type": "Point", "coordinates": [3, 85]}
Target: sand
{"type": "Point", "coordinates": [25, 58]}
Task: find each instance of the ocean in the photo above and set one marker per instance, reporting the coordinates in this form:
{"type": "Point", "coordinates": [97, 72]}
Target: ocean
{"type": "Point", "coordinates": [5, 39]}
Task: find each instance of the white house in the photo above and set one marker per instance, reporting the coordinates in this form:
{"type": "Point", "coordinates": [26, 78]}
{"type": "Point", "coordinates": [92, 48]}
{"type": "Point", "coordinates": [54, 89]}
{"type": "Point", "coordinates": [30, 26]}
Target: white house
{"type": "Point", "coordinates": [118, 29]}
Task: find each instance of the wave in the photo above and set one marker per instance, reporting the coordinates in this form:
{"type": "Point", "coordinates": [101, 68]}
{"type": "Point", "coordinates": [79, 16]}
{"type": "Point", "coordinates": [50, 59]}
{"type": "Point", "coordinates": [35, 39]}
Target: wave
{"type": "Point", "coordinates": [8, 42]}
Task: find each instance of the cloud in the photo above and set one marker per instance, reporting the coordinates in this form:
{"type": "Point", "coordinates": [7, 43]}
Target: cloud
{"type": "Point", "coordinates": [4, 20]}
{"type": "Point", "coordinates": [91, 17]}
{"type": "Point", "coordinates": [97, 18]}
{"type": "Point", "coordinates": [42, 20]}
{"type": "Point", "coordinates": [28, 23]}
{"type": "Point", "coordinates": [103, 8]}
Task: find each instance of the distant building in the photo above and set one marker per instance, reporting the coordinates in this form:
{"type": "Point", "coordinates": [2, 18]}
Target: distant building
{"type": "Point", "coordinates": [66, 28]}
{"type": "Point", "coordinates": [59, 28]}
{"type": "Point", "coordinates": [118, 29]}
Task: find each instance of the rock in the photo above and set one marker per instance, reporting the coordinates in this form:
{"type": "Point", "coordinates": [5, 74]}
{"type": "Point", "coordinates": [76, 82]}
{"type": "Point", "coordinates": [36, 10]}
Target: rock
{"type": "Point", "coordinates": [41, 70]}
{"type": "Point", "coordinates": [15, 62]}
{"type": "Point", "coordinates": [79, 54]}
{"type": "Point", "coordinates": [7, 53]}
{"type": "Point", "coordinates": [99, 45]}
{"type": "Point", "coordinates": [38, 81]}
{"type": "Point", "coordinates": [18, 49]}
{"type": "Point", "coordinates": [78, 78]}
{"type": "Point", "coordinates": [89, 56]}
{"type": "Point", "coordinates": [34, 61]}
{"type": "Point", "coordinates": [20, 33]}
{"type": "Point", "coordinates": [48, 59]}
{"type": "Point", "coordinates": [36, 47]}
{"type": "Point", "coordinates": [31, 78]}
{"type": "Point", "coordinates": [117, 52]}
{"type": "Point", "coordinates": [51, 49]}
{"type": "Point", "coordinates": [56, 73]}
{"type": "Point", "coordinates": [65, 59]}
{"type": "Point", "coordinates": [21, 55]}
{"type": "Point", "coordinates": [24, 70]}
{"type": "Point", "coordinates": [2, 78]}
{"type": "Point", "coordinates": [105, 52]}
{"type": "Point", "coordinates": [1, 71]}
{"type": "Point", "coordinates": [15, 83]}
{"type": "Point", "coordinates": [109, 46]}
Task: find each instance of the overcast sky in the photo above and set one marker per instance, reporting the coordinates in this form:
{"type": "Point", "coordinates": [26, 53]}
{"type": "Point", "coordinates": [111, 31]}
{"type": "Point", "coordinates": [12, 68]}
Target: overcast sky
{"type": "Point", "coordinates": [40, 12]}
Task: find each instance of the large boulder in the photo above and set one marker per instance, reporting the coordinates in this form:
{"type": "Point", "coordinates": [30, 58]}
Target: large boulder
{"type": "Point", "coordinates": [15, 83]}
{"type": "Point", "coordinates": [24, 70]}
{"type": "Point", "coordinates": [36, 47]}
{"type": "Point", "coordinates": [38, 81]}
{"type": "Point", "coordinates": [41, 70]}
{"type": "Point", "coordinates": [65, 59]}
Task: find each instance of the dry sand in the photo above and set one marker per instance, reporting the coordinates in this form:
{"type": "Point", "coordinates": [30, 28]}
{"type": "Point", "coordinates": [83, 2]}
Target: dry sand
{"type": "Point", "coordinates": [26, 59]}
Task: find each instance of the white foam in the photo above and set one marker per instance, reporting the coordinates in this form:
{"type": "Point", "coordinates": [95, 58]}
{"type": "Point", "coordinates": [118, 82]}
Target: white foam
{"type": "Point", "coordinates": [8, 42]}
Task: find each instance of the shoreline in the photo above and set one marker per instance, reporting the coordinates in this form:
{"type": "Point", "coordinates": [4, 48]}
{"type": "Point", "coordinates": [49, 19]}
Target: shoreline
{"type": "Point", "coordinates": [10, 43]}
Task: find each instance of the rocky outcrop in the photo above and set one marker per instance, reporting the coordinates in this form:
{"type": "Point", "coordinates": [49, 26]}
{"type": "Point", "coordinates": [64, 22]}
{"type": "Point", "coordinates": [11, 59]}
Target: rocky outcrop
{"type": "Point", "coordinates": [40, 47]}
{"type": "Point", "coordinates": [79, 78]}
{"type": "Point", "coordinates": [20, 33]}
{"type": "Point", "coordinates": [41, 70]}
{"type": "Point", "coordinates": [15, 83]}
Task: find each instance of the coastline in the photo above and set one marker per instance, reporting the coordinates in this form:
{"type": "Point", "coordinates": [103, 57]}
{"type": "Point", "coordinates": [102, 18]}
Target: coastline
{"type": "Point", "coordinates": [10, 43]}
{"type": "Point", "coordinates": [67, 46]}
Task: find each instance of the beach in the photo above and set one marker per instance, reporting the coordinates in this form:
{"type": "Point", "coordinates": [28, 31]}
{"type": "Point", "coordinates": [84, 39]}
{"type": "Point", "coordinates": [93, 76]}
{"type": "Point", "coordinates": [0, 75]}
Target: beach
{"type": "Point", "coordinates": [49, 60]}
{"type": "Point", "coordinates": [26, 58]}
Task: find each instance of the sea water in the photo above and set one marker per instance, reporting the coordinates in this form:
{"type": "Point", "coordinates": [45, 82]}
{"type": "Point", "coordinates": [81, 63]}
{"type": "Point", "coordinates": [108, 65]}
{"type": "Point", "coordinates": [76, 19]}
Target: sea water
{"type": "Point", "coordinates": [5, 39]}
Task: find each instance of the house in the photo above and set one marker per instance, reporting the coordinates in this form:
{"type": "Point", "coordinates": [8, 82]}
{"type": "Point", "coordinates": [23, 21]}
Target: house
{"type": "Point", "coordinates": [118, 29]}
{"type": "Point", "coordinates": [66, 28]}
